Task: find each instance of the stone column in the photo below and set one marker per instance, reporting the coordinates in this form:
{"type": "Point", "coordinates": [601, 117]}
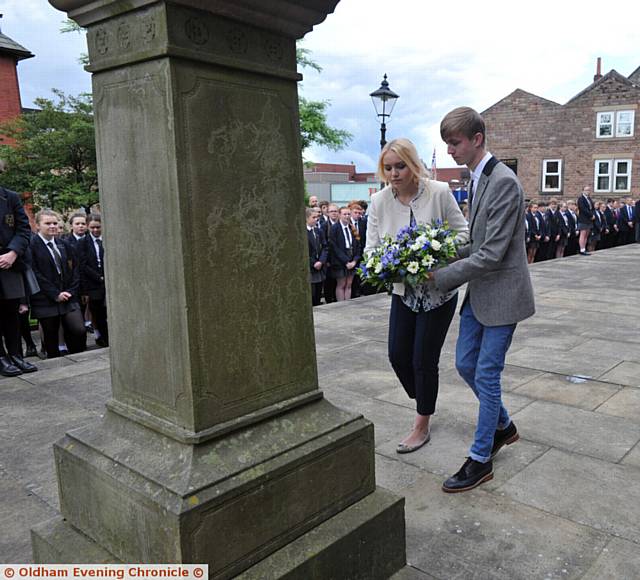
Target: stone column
{"type": "Point", "coordinates": [217, 446]}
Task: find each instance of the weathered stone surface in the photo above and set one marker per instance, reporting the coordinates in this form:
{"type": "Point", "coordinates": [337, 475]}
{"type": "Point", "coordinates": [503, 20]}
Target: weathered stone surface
{"type": "Point", "coordinates": [588, 491]}
{"type": "Point", "coordinates": [558, 389]}
{"type": "Point", "coordinates": [625, 373]}
{"type": "Point", "coordinates": [625, 403]}
{"type": "Point", "coordinates": [487, 536]}
{"type": "Point", "coordinates": [633, 457]}
{"type": "Point", "coordinates": [356, 544]}
{"type": "Point", "coordinates": [579, 431]}
{"type": "Point", "coordinates": [19, 509]}
{"type": "Point", "coordinates": [56, 541]}
{"type": "Point", "coordinates": [620, 559]}
{"type": "Point", "coordinates": [189, 504]}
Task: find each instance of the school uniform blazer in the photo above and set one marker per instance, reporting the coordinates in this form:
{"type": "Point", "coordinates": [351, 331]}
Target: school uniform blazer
{"type": "Point", "coordinates": [338, 252]}
{"type": "Point", "coordinates": [564, 227]}
{"type": "Point", "coordinates": [534, 228]}
{"type": "Point", "coordinates": [610, 217]}
{"type": "Point", "coordinates": [585, 210]}
{"type": "Point", "coordinates": [318, 252]}
{"type": "Point", "coordinates": [495, 264]}
{"type": "Point", "coordinates": [91, 275]}
{"type": "Point", "coordinates": [624, 218]}
{"type": "Point", "coordinates": [44, 303]}
{"type": "Point", "coordinates": [15, 231]}
{"type": "Point", "coordinates": [387, 216]}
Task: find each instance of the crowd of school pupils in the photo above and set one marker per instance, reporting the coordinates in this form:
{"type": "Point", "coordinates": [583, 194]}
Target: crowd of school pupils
{"type": "Point", "coordinates": [337, 237]}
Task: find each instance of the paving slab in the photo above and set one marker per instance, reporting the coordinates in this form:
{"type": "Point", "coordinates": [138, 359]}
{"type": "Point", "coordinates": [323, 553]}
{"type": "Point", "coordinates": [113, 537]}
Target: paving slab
{"type": "Point", "coordinates": [578, 431]}
{"type": "Point", "coordinates": [66, 370]}
{"type": "Point", "coordinates": [483, 535]}
{"type": "Point", "coordinates": [559, 389]}
{"type": "Point", "coordinates": [624, 373]}
{"type": "Point", "coordinates": [457, 398]}
{"type": "Point", "coordinates": [625, 403]}
{"type": "Point", "coordinates": [619, 559]}
{"type": "Point", "coordinates": [588, 491]}
{"type": "Point", "coordinates": [16, 518]}
{"type": "Point", "coordinates": [560, 362]}
{"type": "Point", "coordinates": [633, 457]}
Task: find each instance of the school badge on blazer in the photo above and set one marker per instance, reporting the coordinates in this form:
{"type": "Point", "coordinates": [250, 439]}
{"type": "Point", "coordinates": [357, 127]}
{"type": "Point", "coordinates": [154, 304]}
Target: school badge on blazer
{"type": "Point", "coordinates": [10, 220]}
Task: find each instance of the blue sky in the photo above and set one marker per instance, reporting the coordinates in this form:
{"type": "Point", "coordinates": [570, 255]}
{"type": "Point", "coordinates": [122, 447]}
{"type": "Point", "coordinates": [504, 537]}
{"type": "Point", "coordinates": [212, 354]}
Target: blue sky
{"type": "Point", "coordinates": [437, 55]}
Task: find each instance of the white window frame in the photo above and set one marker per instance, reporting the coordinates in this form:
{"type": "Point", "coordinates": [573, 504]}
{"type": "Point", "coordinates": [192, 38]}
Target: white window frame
{"type": "Point", "coordinates": [609, 174]}
{"type": "Point", "coordinates": [616, 175]}
{"type": "Point", "coordinates": [633, 118]}
{"type": "Point", "coordinates": [546, 173]}
{"type": "Point", "coordinates": [614, 124]}
{"type": "Point", "coordinates": [599, 124]}
{"type": "Point", "coordinates": [612, 174]}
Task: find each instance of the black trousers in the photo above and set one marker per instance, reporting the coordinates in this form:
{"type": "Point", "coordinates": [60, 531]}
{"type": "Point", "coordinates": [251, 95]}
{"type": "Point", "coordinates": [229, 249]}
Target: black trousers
{"type": "Point", "coordinates": [75, 333]}
{"type": "Point", "coordinates": [98, 310]}
{"type": "Point", "coordinates": [9, 327]}
{"type": "Point", "coordinates": [329, 289]}
{"type": "Point", "coordinates": [415, 342]}
{"type": "Point", "coordinates": [316, 293]}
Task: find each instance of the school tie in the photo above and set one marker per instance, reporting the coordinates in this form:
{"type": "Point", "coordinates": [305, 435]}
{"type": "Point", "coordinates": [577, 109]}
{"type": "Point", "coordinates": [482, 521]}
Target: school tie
{"type": "Point", "coordinates": [470, 196]}
{"type": "Point", "coordinates": [56, 257]}
{"type": "Point", "coordinates": [100, 252]}
{"type": "Point", "coordinates": [347, 234]}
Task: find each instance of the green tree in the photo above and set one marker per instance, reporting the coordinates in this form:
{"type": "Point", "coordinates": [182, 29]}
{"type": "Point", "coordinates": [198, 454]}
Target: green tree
{"type": "Point", "coordinates": [54, 156]}
{"type": "Point", "coordinates": [314, 127]}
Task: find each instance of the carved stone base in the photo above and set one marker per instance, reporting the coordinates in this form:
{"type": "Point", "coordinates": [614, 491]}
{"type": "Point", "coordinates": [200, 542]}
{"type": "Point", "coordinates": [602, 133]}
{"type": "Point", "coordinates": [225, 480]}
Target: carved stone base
{"type": "Point", "coordinates": [365, 541]}
{"type": "Point", "coordinates": [229, 502]}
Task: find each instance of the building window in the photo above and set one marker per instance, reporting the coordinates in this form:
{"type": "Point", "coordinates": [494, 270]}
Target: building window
{"type": "Point", "coordinates": [511, 164]}
{"type": "Point", "coordinates": [624, 123]}
{"type": "Point", "coordinates": [612, 175]}
{"type": "Point", "coordinates": [618, 123]}
{"type": "Point", "coordinates": [551, 175]}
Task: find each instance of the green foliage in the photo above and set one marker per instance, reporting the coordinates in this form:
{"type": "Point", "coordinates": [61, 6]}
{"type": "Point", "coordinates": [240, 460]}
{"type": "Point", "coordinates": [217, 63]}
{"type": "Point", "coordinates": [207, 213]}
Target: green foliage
{"type": "Point", "coordinates": [314, 127]}
{"type": "Point", "coordinates": [55, 153]}
{"type": "Point", "coordinates": [71, 26]}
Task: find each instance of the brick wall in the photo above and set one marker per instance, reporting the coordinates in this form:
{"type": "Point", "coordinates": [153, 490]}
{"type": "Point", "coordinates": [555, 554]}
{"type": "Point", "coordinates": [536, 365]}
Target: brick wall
{"type": "Point", "coordinates": [529, 129]}
{"type": "Point", "coordinates": [10, 106]}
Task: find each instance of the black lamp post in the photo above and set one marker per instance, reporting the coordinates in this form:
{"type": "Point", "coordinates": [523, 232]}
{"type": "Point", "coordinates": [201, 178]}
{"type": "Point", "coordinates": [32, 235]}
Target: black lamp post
{"type": "Point", "coordinates": [384, 100]}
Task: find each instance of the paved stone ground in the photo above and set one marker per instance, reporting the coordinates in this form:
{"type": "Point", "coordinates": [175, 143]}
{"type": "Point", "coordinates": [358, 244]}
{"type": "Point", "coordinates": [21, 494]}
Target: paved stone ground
{"type": "Point", "coordinates": [565, 500]}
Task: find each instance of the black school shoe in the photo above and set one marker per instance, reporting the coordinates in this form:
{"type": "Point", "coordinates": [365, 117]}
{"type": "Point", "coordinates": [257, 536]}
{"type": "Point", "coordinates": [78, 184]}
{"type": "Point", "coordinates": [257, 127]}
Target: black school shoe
{"type": "Point", "coordinates": [504, 437]}
{"type": "Point", "coordinates": [23, 365]}
{"type": "Point", "coordinates": [470, 475]}
{"type": "Point", "coordinates": [7, 368]}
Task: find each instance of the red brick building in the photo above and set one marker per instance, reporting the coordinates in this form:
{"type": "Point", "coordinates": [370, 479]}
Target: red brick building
{"type": "Point", "coordinates": [10, 105]}
{"type": "Point", "coordinates": [593, 139]}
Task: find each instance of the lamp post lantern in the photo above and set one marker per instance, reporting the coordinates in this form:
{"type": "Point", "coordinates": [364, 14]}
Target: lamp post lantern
{"type": "Point", "coordinates": [384, 99]}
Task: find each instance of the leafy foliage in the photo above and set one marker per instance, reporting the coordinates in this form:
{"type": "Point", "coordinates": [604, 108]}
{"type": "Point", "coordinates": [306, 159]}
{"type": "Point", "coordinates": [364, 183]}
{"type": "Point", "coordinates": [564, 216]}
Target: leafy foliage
{"type": "Point", "coordinates": [55, 154]}
{"type": "Point", "coordinates": [314, 127]}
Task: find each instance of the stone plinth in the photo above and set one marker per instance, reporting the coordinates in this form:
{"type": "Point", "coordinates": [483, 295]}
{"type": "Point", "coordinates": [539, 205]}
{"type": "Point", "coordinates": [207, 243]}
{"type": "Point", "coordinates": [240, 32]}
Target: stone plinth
{"type": "Point", "coordinates": [217, 446]}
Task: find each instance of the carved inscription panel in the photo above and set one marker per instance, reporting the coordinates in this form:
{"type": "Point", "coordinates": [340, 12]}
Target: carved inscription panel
{"type": "Point", "coordinates": [248, 273]}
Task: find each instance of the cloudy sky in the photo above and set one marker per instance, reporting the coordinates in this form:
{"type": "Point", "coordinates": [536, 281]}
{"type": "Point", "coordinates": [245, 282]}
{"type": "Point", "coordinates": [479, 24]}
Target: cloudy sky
{"type": "Point", "coordinates": [437, 55]}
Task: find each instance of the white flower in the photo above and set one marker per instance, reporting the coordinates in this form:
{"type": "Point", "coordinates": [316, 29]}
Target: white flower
{"type": "Point", "coordinates": [428, 261]}
{"type": "Point", "coordinates": [370, 263]}
{"type": "Point", "coordinates": [436, 245]}
{"type": "Point", "coordinates": [416, 246]}
{"type": "Point", "coordinates": [420, 240]}
{"type": "Point", "coordinates": [434, 232]}
{"type": "Point", "coordinates": [413, 267]}
{"type": "Point", "coordinates": [378, 268]}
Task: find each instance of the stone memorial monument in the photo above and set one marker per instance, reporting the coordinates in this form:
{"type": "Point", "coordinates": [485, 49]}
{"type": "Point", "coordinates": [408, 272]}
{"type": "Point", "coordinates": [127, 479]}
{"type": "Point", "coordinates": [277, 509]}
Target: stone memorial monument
{"type": "Point", "coordinates": [217, 446]}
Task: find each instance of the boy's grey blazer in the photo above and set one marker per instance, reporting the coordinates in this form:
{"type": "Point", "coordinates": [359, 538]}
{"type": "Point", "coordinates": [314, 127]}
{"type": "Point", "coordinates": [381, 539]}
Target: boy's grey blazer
{"type": "Point", "coordinates": [495, 262]}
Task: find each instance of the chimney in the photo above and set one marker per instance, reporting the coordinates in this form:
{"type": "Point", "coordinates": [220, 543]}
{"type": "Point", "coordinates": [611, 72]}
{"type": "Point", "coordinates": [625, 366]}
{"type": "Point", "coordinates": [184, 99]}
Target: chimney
{"type": "Point", "coordinates": [598, 74]}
